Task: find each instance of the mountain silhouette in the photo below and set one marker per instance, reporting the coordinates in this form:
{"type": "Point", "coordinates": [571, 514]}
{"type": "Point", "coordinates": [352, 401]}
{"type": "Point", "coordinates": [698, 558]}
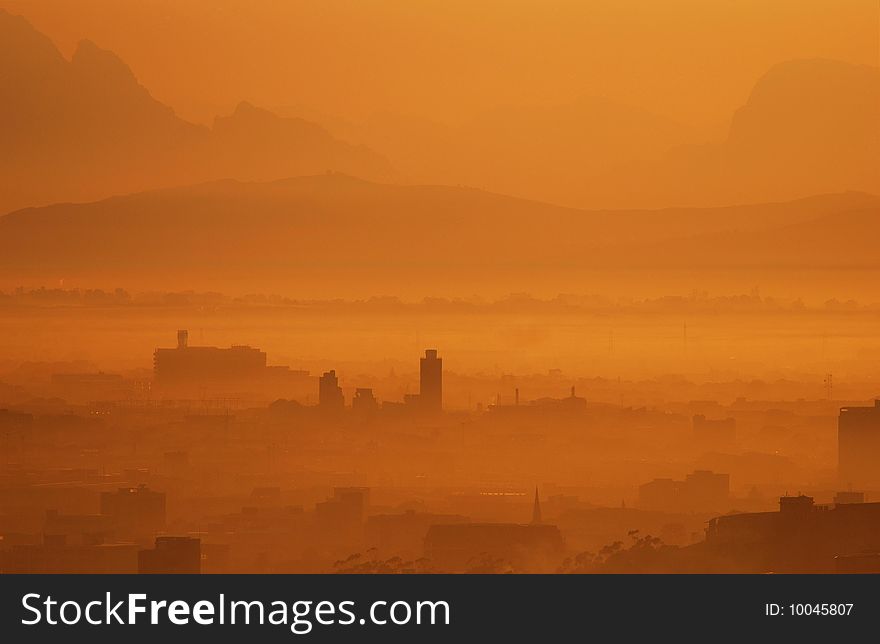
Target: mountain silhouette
{"type": "Point", "coordinates": [810, 122]}
{"type": "Point", "coordinates": [255, 144]}
{"type": "Point", "coordinates": [543, 152]}
{"type": "Point", "coordinates": [85, 128]}
{"type": "Point", "coordinates": [807, 127]}
{"type": "Point", "coordinates": [311, 232]}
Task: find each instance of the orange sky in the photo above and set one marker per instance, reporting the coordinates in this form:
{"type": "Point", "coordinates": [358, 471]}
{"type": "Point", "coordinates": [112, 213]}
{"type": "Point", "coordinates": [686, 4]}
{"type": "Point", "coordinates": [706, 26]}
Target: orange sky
{"type": "Point", "coordinates": [447, 60]}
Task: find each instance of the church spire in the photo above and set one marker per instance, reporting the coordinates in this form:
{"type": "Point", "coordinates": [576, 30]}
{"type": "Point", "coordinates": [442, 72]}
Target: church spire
{"type": "Point", "coordinates": [536, 510]}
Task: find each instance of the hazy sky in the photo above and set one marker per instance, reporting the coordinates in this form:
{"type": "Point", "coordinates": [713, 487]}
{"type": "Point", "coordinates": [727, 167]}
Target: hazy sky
{"type": "Point", "coordinates": [693, 60]}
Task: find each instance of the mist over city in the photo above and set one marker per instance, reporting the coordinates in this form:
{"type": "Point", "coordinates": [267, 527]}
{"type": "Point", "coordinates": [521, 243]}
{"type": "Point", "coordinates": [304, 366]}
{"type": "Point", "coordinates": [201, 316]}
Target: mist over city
{"type": "Point", "coordinates": [473, 287]}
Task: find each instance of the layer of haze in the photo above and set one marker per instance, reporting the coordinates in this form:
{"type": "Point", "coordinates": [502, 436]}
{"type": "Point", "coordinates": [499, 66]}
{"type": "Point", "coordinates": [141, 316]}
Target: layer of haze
{"type": "Point", "coordinates": [613, 219]}
{"type": "Point", "coordinates": [586, 104]}
{"type": "Point", "coordinates": [451, 60]}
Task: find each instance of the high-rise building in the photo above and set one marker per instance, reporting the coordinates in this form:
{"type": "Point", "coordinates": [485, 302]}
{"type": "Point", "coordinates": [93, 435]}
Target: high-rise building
{"type": "Point", "coordinates": [858, 445]}
{"type": "Point", "coordinates": [431, 381]}
{"type": "Point", "coordinates": [329, 392]}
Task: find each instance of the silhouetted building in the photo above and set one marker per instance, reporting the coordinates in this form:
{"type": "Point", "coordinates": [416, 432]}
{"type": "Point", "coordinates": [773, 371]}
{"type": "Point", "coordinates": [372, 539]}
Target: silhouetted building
{"type": "Point", "coordinates": [659, 494]}
{"type": "Point", "coordinates": [364, 400]}
{"type": "Point", "coordinates": [800, 504]}
{"type": "Point", "coordinates": [536, 509]}
{"type": "Point", "coordinates": [403, 535]}
{"type": "Point", "coordinates": [431, 381]}
{"type": "Point", "coordinates": [411, 402]}
{"type": "Point", "coordinates": [801, 537]}
{"type": "Point", "coordinates": [329, 392]}
{"type": "Point", "coordinates": [704, 489]}
{"type": "Point", "coordinates": [172, 556]}
{"type": "Point", "coordinates": [714, 433]}
{"type": "Point", "coordinates": [858, 445]}
{"type": "Point", "coordinates": [192, 365]}
{"type": "Point", "coordinates": [346, 511]}
{"type": "Point", "coordinates": [849, 497]}
{"type": "Point", "coordinates": [542, 407]}
{"type": "Point", "coordinates": [461, 547]}
{"type": "Point", "coordinates": [700, 490]}
{"type": "Point", "coordinates": [137, 510]}
{"type": "Point", "coordinates": [211, 371]}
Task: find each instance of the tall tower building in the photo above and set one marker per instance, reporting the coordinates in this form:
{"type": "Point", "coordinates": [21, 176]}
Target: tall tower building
{"type": "Point", "coordinates": [431, 381]}
{"type": "Point", "coordinates": [536, 509]}
{"type": "Point", "coordinates": [858, 446]}
{"type": "Point", "coordinates": [329, 391]}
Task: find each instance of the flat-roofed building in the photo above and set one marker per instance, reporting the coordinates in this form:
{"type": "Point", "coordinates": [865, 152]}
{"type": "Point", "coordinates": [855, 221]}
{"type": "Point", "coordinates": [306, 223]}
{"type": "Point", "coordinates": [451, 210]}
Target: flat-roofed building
{"type": "Point", "coordinates": [858, 446]}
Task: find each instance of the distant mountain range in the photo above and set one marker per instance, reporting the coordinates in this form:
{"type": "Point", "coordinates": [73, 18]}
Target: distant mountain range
{"type": "Point", "coordinates": [85, 129]}
{"type": "Point", "coordinates": [808, 127]}
{"type": "Point", "coordinates": [334, 229]}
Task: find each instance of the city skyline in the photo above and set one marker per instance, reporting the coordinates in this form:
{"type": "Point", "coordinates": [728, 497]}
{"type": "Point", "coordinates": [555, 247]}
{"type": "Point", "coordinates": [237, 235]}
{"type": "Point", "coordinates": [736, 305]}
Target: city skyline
{"type": "Point", "coordinates": [483, 287]}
